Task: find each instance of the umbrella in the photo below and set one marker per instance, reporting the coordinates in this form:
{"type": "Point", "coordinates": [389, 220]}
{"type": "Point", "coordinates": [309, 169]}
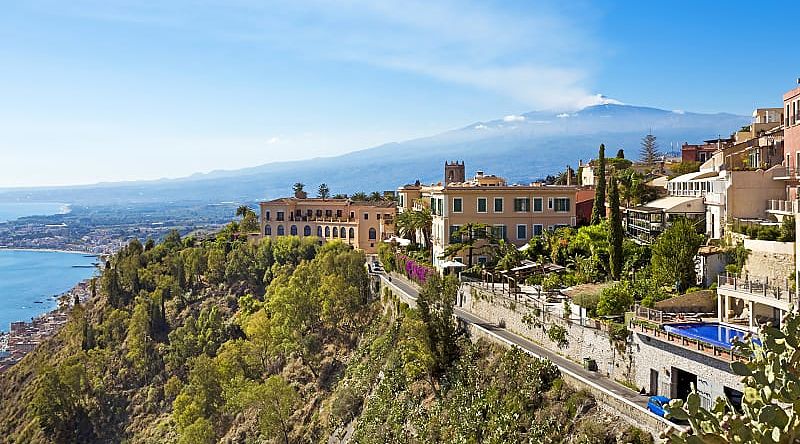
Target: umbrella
{"type": "Point", "coordinates": [399, 241]}
{"type": "Point", "coordinates": [524, 247]}
{"type": "Point", "coordinates": [451, 264]}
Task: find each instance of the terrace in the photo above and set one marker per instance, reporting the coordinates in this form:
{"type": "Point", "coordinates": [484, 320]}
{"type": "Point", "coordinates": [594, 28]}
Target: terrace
{"type": "Point", "coordinates": [753, 300]}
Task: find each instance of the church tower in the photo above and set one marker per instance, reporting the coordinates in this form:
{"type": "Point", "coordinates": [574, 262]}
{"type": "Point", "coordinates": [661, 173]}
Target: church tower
{"type": "Point", "coordinates": [454, 172]}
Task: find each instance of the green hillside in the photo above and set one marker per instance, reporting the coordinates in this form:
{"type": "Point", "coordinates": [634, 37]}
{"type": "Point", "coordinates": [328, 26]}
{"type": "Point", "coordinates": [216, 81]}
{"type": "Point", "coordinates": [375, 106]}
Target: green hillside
{"type": "Point", "coordinates": [219, 340]}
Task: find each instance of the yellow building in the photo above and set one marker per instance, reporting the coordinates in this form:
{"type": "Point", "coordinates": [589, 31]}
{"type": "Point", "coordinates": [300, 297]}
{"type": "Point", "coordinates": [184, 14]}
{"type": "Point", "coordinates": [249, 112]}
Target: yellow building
{"type": "Point", "coordinates": [515, 212]}
{"type": "Point", "coordinates": [361, 224]}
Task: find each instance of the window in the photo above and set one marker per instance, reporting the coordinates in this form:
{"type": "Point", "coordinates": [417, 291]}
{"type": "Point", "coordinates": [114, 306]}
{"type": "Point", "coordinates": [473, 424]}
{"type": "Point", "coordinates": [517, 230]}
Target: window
{"type": "Point", "coordinates": [537, 229]}
{"type": "Point", "coordinates": [372, 234]}
{"type": "Point", "coordinates": [338, 213]}
{"type": "Point", "coordinates": [458, 205]}
{"type": "Point", "coordinates": [309, 212]}
{"type": "Point", "coordinates": [281, 230]}
{"type": "Point", "coordinates": [481, 205]}
{"type": "Point", "coordinates": [352, 215]}
{"type": "Point", "coordinates": [266, 215]}
{"type": "Point", "coordinates": [267, 230]}
{"type": "Point", "coordinates": [319, 213]}
{"type": "Point", "coordinates": [499, 231]}
{"type": "Point", "coordinates": [328, 213]}
{"type": "Point", "coordinates": [366, 216]}
{"type": "Point", "coordinates": [454, 238]}
{"type": "Point", "coordinates": [352, 233]}
{"type": "Point", "coordinates": [343, 232]}
{"type": "Point", "coordinates": [279, 217]}
{"type": "Point", "coordinates": [327, 231]}
{"type": "Point", "coordinates": [440, 206]}
{"type": "Point", "coordinates": [561, 204]}
{"type": "Point", "coordinates": [293, 230]}
{"type": "Point", "coordinates": [522, 204]}
{"type": "Point", "coordinates": [307, 231]}
{"type": "Point", "coordinates": [522, 232]}
{"type": "Point", "coordinates": [319, 231]}
{"type": "Point", "coordinates": [498, 204]}
{"type": "Point", "coordinates": [481, 259]}
{"type": "Point", "coordinates": [537, 204]}
{"type": "Point", "coordinates": [378, 216]}
{"type": "Point", "coordinates": [335, 232]}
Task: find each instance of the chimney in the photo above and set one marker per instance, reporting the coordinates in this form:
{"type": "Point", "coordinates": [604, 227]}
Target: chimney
{"type": "Point", "coordinates": [569, 175]}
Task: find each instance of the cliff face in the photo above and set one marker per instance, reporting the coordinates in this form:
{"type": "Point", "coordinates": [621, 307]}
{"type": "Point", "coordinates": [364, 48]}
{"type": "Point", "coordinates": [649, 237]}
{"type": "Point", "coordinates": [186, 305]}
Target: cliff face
{"type": "Point", "coordinates": [221, 341]}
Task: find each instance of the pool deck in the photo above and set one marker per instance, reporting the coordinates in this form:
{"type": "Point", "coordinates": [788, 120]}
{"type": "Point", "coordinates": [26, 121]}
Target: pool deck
{"type": "Point", "coordinates": [698, 346]}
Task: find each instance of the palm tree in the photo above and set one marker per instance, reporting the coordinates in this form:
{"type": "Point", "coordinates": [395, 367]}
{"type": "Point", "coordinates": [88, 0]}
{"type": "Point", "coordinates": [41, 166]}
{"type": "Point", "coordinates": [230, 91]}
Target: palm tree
{"type": "Point", "coordinates": [323, 192]}
{"type": "Point", "coordinates": [244, 210]}
{"type": "Point", "coordinates": [375, 196]}
{"type": "Point", "coordinates": [298, 187]}
{"type": "Point", "coordinates": [359, 196]}
{"type": "Point", "coordinates": [471, 235]}
{"type": "Point", "coordinates": [405, 226]}
{"type": "Point", "coordinates": [423, 219]}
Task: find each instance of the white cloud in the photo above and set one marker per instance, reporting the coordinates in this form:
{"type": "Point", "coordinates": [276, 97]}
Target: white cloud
{"type": "Point", "coordinates": [273, 140]}
{"type": "Point", "coordinates": [563, 115]}
{"type": "Point", "coordinates": [543, 59]}
{"type": "Point", "coordinates": [597, 99]}
{"type": "Point", "coordinates": [480, 126]}
{"type": "Point", "coordinates": [514, 118]}
{"type": "Point", "coordinates": [678, 111]}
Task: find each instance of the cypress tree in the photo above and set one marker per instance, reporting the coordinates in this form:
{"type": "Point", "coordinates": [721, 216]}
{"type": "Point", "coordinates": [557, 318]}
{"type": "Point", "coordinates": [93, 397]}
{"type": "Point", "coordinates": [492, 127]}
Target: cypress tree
{"type": "Point", "coordinates": [615, 230]}
{"type": "Point", "coordinates": [599, 208]}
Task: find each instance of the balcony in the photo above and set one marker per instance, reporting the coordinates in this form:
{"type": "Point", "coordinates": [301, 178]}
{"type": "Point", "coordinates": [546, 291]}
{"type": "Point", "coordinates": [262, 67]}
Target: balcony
{"type": "Point", "coordinates": [784, 207]}
{"type": "Point", "coordinates": [791, 174]}
{"type": "Point", "coordinates": [776, 294]}
{"type": "Point", "coordinates": [715, 198]}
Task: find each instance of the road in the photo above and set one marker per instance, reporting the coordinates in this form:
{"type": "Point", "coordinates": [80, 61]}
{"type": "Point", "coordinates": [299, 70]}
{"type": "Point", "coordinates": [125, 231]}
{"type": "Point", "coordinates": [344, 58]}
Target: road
{"type": "Point", "coordinates": [565, 365]}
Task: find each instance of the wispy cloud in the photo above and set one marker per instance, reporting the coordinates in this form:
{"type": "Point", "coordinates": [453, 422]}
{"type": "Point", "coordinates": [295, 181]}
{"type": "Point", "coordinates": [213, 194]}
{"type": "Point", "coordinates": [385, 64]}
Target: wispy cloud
{"type": "Point", "coordinates": [542, 59]}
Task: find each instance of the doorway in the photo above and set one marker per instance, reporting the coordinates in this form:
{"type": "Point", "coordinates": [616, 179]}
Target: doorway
{"type": "Point", "coordinates": [653, 382]}
{"type": "Point", "coordinates": [682, 382]}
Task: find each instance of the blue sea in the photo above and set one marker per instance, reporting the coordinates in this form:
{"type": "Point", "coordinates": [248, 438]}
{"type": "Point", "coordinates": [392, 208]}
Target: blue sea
{"type": "Point", "coordinates": [15, 210]}
{"type": "Point", "coordinates": [30, 276]}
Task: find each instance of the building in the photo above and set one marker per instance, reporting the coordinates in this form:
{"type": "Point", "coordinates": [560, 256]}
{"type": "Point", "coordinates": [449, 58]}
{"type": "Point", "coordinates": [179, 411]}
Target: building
{"type": "Point", "coordinates": [515, 212]}
{"type": "Point", "coordinates": [703, 152]}
{"type": "Point", "coordinates": [791, 146]}
{"type": "Point", "coordinates": [361, 224]}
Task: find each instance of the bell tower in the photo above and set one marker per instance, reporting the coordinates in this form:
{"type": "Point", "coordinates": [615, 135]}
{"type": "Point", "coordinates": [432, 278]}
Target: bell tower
{"type": "Point", "coordinates": [454, 172]}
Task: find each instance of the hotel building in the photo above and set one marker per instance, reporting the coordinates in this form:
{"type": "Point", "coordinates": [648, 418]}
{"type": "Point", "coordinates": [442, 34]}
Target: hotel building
{"type": "Point", "coordinates": [361, 224]}
{"type": "Point", "coordinates": [515, 212]}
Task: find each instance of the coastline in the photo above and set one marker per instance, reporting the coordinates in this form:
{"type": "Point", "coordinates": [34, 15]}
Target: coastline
{"type": "Point", "coordinates": [50, 250]}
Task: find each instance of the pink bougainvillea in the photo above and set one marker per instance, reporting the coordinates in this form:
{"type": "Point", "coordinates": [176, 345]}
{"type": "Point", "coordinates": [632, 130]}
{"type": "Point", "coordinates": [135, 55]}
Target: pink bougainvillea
{"type": "Point", "coordinates": [414, 271]}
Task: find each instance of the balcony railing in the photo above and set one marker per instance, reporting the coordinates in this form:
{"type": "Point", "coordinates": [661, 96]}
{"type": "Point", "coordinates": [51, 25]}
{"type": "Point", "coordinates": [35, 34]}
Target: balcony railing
{"type": "Point", "coordinates": [715, 198]}
{"type": "Point", "coordinates": [783, 206]}
{"type": "Point", "coordinates": [787, 174]}
{"type": "Point", "coordinates": [758, 286]}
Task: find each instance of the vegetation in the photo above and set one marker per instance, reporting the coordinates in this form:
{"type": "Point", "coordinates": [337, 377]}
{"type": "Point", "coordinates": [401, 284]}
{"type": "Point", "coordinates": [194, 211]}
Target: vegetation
{"type": "Point", "coordinates": [783, 233]}
{"type": "Point", "coordinates": [648, 154]}
{"type": "Point", "coordinates": [615, 232]}
{"type": "Point", "coordinates": [599, 206]}
{"type": "Point", "coordinates": [323, 192]}
{"type": "Point", "coordinates": [684, 168]}
{"type": "Point", "coordinates": [674, 252]}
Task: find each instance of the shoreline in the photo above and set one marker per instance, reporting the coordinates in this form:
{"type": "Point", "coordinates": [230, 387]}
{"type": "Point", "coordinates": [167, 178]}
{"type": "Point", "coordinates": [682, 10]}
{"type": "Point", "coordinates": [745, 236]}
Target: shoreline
{"type": "Point", "coordinates": [50, 250]}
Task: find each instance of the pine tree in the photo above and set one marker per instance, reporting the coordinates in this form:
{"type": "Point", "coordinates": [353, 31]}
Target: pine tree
{"type": "Point", "coordinates": [615, 230]}
{"type": "Point", "coordinates": [620, 154]}
{"type": "Point", "coordinates": [649, 151]}
{"type": "Point", "coordinates": [599, 208]}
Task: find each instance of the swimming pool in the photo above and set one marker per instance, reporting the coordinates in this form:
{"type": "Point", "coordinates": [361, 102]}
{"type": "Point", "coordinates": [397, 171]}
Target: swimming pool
{"type": "Point", "coordinates": [716, 334]}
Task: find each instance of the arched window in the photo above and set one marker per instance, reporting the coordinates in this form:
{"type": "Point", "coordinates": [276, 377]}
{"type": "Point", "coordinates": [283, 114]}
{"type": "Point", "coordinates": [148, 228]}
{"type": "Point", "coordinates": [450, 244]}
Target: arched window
{"type": "Point", "coordinates": [372, 234]}
{"type": "Point", "coordinates": [327, 231]}
{"type": "Point", "coordinates": [267, 230]}
{"type": "Point", "coordinates": [335, 232]}
{"type": "Point", "coordinates": [319, 231]}
{"type": "Point", "coordinates": [281, 230]}
{"type": "Point", "coordinates": [352, 233]}
{"type": "Point", "coordinates": [307, 231]}
{"type": "Point", "coordinates": [293, 230]}
{"type": "Point", "coordinates": [343, 231]}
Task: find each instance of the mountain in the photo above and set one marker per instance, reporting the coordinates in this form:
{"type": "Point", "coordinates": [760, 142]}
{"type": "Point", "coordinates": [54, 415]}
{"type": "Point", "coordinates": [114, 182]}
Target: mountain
{"type": "Point", "coordinates": [519, 147]}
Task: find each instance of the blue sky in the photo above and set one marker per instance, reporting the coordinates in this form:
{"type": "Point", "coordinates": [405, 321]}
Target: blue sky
{"type": "Point", "coordinates": [104, 90]}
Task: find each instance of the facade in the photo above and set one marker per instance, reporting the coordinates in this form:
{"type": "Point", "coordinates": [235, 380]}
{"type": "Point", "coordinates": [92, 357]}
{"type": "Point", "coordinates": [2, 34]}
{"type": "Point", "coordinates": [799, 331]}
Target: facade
{"type": "Point", "coordinates": [516, 212]}
{"type": "Point", "coordinates": [702, 152]}
{"type": "Point", "coordinates": [361, 224]}
{"type": "Point", "coordinates": [791, 144]}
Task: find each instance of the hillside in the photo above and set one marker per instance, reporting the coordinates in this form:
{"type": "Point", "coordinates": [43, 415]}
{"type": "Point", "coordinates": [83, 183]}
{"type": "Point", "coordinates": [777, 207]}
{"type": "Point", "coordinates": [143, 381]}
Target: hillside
{"type": "Point", "coordinates": [521, 148]}
{"type": "Point", "coordinates": [218, 340]}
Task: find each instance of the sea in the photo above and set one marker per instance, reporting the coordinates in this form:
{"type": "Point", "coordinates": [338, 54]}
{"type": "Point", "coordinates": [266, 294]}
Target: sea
{"type": "Point", "coordinates": [15, 210]}
{"type": "Point", "coordinates": [29, 279]}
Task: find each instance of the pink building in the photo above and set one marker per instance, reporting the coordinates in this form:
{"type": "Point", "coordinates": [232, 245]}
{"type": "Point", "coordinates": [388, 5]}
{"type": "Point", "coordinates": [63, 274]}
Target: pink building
{"type": "Point", "coordinates": [791, 140]}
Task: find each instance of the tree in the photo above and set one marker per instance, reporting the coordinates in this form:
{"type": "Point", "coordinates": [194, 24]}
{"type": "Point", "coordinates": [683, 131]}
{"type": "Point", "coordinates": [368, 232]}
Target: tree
{"type": "Point", "coordinates": [614, 300]}
{"type": "Point", "coordinates": [471, 236]}
{"type": "Point", "coordinates": [615, 233]}
{"type": "Point", "coordinates": [770, 411]}
{"type": "Point", "coordinates": [649, 151]}
{"type": "Point", "coordinates": [359, 196]}
{"type": "Point", "coordinates": [323, 192]}
{"type": "Point", "coordinates": [620, 154]}
{"type": "Point", "coordinates": [275, 401]}
{"type": "Point", "coordinates": [298, 187]}
{"type": "Point", "coordinates": [405, 226]}
{"type": "Point", "coordinates": [599, 207]}
{"type": "Point", "coordinates": [683, 168]}
{"type": "Point", "coordinates": [674, 252]}
{"type": "Point", "coordinates": [435, 304]}
{"type": "Point", "coordinates": [375, 196]}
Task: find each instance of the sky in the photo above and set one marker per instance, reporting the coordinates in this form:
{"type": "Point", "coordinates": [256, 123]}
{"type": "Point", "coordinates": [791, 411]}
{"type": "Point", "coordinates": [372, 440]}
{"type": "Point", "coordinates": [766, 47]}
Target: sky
{"type": "Point", "coordinates": [111, 90]}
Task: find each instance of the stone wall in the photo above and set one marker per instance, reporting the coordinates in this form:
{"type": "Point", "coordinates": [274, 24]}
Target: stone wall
{"type": "Point", "coordinates": [774, 260]}
{"type": "Point", "coordinates": [592, 341]}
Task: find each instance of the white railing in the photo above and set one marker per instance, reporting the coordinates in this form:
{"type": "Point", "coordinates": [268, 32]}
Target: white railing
{"type": "Point", "coordinates": [783, 206]}
{"type": "Point", "coordinates": [715, 198]}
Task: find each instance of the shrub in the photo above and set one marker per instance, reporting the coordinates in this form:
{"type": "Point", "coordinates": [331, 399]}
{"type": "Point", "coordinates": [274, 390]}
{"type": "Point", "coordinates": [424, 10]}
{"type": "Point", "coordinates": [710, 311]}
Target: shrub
{"type": "Point", "coordinates": [614, 300]}
{"type": "Point", "coordinates": [587, 301]}
{"type": "Point", "coordinates": [558, 334]}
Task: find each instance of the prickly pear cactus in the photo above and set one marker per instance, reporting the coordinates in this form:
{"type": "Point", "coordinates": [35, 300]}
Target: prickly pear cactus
{"type": "Point", "coordinates": [771, 401]}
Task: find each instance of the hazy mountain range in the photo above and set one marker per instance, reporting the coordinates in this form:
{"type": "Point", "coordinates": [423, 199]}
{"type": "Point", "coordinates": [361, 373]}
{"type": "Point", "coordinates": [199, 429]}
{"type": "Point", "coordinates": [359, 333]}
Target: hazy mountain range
{"type": "Point", "coordinates": [520, 148]}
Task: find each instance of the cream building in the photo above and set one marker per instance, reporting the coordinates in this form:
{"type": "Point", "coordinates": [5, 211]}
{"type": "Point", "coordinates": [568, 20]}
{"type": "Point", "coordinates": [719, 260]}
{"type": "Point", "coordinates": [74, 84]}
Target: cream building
{"type": "Point", "coordinates": [516, 213]}
{"type": "Point", "coordinates": [361, 224]}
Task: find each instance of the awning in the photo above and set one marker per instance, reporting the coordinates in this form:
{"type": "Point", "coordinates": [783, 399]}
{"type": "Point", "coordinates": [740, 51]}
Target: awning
{"type": "Point", "coordinates": [451, 264]}
{"type": "Point", "coordinates": [398, 240]}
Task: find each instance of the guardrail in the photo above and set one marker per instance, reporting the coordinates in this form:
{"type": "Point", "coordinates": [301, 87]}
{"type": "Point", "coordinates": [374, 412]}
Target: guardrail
{"type": "Point", "coordinates": [783, 206]}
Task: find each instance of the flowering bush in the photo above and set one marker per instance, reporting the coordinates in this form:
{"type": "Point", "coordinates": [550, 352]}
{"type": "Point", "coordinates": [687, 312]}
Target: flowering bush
{"type": "Point", "coordinates": [416, 272]}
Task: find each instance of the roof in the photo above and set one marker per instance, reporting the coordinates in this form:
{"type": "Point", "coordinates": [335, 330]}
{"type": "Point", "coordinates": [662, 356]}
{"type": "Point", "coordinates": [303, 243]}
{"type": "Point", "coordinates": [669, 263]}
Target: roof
{"type": "Point", "coordinates": [670, 203]}
{"type": "Point", "coordinates": [366, 203]}
{"type": "Point", "coordinates": [699, 302]}
{"type": "Point", "coordinates": [695, 176]}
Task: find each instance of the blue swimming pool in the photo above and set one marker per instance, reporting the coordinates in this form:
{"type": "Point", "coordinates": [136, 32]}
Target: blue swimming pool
{"type": "Point", "coordinates": [716, 334]}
